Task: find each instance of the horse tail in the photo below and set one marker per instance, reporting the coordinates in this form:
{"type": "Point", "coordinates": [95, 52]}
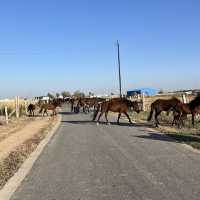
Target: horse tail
{"type": "Point", "coordinates": [151, 113]}
{"type": "Point", "coordinates": [96, 111]}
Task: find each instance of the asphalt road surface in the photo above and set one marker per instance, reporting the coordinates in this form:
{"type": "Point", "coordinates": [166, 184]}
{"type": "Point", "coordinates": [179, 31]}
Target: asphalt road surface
{"type": "Point", "coordinates": [84, 161]}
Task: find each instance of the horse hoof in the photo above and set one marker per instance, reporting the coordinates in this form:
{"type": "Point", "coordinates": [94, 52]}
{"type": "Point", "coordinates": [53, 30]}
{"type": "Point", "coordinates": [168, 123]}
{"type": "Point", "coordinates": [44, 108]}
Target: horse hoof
{"type": "Point", "coordinates": [97, 123]}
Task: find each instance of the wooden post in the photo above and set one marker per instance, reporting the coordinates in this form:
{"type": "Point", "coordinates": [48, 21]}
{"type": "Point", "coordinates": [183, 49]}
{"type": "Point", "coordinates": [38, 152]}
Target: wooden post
{"type": "Point", "coordinates": [25, 106]}
{"type": "Point", "coordinates": [143, 102]}
{"type": "Point", "coordinates": [184, 98]}
{"type": "Point", "coordinates": [6, 114]}
{"type": "Point", "coordinates": [17, 106]}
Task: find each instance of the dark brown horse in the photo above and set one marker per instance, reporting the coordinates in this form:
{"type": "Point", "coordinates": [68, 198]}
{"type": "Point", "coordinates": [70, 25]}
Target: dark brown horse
{"type": "Point", "coordinates": [180, 112]}
{"type": "Point", "coordinates": [183, 110]}
{"type": "Point", "coordinates": [116, 105]}
{"type": "Point", "coordinates": [162, 105]}
{"type": "Point", "coordinates": [31, 108]}
{"type": "Point", "coordinates": [50, 106]}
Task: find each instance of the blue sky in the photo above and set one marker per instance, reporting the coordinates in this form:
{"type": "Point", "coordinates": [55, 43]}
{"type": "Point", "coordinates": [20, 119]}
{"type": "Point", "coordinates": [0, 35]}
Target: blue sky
{"type": "Point", "coordinates": [55, 45]}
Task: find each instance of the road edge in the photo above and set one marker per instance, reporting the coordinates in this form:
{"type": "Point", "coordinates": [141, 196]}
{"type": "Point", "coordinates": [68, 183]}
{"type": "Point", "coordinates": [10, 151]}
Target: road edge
{"type": "Point", "coordinates": [14, 182]}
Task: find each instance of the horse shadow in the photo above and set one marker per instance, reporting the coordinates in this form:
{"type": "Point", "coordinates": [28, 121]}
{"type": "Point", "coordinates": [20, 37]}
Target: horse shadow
{"type": "Point", "coordinates": [78, 122]}
{"type": "Point", "coordinates": [121, 124]}
{"type": "Point", "coordinates": [66, 113]}
{"type": "Point", "coordinates": [170, 137]}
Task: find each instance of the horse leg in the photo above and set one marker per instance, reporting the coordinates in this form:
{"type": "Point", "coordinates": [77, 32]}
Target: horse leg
{"type": "Point", "coordinates": [173, 122]}
{"type": "Point", "coordinates": [193, 115]}
{"type": "Point", "coordinates": [106, 116]}
{"type": "Point", "coordinates": [119, 115]}
{"type": "Point", "coordinates": [100, 116]}
{"type": "Point", "coordinates": [182, 121]}
{"type": "Point", "coordinates": [46, 112]}
{"type": "Point", "coordinates": [156, 118]}
{"type": "Point", "coordinates": [72, 108]}
{"type": "Point", "coordinates": [179, 120]}
{"type": "Point", "coordinates": [129, 119]}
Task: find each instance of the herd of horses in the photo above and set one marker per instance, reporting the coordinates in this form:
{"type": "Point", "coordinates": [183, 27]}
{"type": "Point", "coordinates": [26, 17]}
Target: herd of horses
{"type": "Point", "coordinates": [123, 106]}
{"type": "Point", "coordinates": [44, 107]}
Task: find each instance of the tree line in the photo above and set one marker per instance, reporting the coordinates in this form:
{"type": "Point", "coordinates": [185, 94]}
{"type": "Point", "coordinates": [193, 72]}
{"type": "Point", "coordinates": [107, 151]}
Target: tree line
{"type": "Point", "coordinates": [66, 94]}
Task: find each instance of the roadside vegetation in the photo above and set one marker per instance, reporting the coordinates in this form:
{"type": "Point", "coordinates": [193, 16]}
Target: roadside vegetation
{"type": "Point", "coordinates": [186, 134]}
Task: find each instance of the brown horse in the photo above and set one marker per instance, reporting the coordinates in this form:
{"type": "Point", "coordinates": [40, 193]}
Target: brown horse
{"type": "Point", "coordinates": [183, 110]}
{"type": "Point", "coordinates": [31, 108]}
{"type": "Point", "coordinates": [116, 105]}
{"type": "Point", "coordinates": [180, 112]}
{"type": "Point", "coordinates": [50, 106]}
{"type": "Point", "coordinates": [162, 105]}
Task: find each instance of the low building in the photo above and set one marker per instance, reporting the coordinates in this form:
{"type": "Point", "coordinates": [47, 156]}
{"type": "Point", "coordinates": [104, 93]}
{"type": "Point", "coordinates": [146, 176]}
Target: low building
{"type": "Point", "coordinates": [142, 91]}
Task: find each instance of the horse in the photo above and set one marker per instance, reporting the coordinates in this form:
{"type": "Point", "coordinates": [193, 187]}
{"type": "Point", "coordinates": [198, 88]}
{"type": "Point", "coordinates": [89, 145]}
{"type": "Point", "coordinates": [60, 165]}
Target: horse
{"type": "Point", "coordinates": [183, 110]}
{"type": "Point", "coordinates": [50, 106]}
{"type": "Point", "coordinates": [72, 101]}
{"type": "Point", "coordinates": [180, 112]}
{"type": "Point", "coordinates": [88, 103]}
{"type": "Point", "coordinates": [119, 105]}
{"type": "Point", "coordinates": [31, 108]}
{"type": "Point", "coordinates": [162, 105]}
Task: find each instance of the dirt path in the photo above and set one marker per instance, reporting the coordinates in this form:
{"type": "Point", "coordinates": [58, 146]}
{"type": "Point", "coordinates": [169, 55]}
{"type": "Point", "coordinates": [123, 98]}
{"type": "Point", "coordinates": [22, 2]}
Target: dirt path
{"type": "Point", "coordinates": [21, 134]}
{"type": "Point", "coordinates": [20, 141]}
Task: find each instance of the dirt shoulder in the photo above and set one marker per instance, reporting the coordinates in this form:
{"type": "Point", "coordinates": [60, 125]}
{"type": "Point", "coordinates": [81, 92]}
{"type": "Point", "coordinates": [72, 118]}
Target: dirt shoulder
{"type": "Point", "coordinates": [187, 135]}
{"type": "Point", "coordinates": [17, 143]}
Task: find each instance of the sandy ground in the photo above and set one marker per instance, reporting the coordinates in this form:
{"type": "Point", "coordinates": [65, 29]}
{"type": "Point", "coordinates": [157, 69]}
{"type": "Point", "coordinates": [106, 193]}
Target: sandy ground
{"type": "Point", "coordinates": [18, 140]}
{"type": "Point", "coordinates": [17, 133]}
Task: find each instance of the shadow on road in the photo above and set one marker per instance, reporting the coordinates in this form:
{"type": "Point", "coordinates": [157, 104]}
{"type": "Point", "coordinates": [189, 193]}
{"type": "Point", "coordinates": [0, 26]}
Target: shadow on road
{"type": "Point", "coordinates": [122, 124]}
{"type": "Point", "coordinates": [192, 140]}
{"type": "Point", "coordinates": [67, 113]}
{"type": "Point", "coordinates": [155, 136]}
{"type": "Point", "coordinates": [79, 122]}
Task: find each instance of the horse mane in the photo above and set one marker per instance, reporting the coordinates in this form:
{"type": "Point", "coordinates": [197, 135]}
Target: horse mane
{"type": "Point", "coordinates": [128, 102]}
{"type": "Point", "coordinates": [195, 102]}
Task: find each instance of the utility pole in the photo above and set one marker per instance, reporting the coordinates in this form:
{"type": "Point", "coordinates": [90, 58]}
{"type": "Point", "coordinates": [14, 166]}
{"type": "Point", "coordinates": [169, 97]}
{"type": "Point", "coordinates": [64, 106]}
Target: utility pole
{"type": "Point", "coordinates": [119, 69]}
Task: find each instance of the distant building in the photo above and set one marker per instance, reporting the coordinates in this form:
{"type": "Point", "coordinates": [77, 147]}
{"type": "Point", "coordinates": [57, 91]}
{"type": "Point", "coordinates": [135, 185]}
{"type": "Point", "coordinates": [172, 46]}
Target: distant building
{"type": "Point", "coordinates": [140, 91]}
{"type": "Point", "coordinates": [42, 98]}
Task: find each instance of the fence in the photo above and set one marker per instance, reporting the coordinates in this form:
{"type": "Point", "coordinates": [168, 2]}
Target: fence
{"type": "Point", "coordinates": [13, 107]}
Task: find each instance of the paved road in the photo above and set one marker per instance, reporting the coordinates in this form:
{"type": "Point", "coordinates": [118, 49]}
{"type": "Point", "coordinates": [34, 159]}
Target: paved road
{"type": "Point", "coordinates": [88, 162]}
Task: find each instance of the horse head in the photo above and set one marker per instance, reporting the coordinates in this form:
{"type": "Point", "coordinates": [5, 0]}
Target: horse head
{"type": "Point", "coordinates": [136, 107]}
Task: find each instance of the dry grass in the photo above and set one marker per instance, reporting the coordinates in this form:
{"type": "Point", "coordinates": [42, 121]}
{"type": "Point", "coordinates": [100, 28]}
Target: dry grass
{"type": "Point", "coordinates": [15, 159]}
{"type": "Point", "coordinates": [11, 106]}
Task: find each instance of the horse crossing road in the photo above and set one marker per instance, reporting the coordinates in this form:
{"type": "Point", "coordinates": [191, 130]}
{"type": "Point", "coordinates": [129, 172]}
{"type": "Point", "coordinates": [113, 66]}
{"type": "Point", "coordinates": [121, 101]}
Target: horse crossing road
{"type": "Point", "coordinates": [84, 161]}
